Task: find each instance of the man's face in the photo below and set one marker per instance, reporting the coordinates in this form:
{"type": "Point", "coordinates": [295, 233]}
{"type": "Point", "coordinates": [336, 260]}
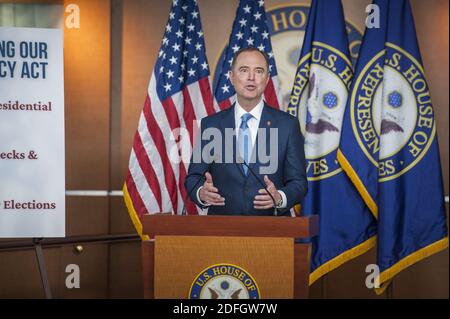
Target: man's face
{"type": "Point", "coordinates": [249, 76]}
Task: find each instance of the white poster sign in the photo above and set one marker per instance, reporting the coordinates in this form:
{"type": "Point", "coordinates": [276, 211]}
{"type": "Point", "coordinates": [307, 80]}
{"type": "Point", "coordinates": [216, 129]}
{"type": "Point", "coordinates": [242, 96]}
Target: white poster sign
{"type": "Point", "coordinates": [32, 176]}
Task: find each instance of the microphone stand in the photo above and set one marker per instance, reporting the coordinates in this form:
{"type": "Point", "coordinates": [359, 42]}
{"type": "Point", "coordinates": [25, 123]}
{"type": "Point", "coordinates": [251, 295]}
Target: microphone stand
{"type": "Point", "coordinates": [241, 161]}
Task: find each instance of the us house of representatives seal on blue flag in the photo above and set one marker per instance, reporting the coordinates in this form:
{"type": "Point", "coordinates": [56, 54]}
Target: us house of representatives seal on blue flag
{"type": "Point", "coordinates": [319, 98]}
{"type": "Point", "coordinates": [389, 146]}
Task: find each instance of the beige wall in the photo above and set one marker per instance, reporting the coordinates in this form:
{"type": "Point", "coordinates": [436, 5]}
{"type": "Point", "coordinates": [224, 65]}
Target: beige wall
{"type": "Point", "coordinates": [106, 78]}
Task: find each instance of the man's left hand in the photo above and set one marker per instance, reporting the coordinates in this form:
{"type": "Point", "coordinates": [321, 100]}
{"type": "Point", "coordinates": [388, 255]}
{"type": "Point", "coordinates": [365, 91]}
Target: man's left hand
{"type": "Point", "coordinates": [263, 200]}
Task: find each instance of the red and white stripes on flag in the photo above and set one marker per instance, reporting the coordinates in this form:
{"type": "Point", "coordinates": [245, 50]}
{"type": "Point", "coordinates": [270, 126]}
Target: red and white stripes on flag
{"type": "Point", "coordinates": [179, 95]}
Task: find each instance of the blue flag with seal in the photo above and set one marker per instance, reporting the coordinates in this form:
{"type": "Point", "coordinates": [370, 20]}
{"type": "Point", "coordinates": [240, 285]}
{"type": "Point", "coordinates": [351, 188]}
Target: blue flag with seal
{"type": "Point", "coordinates": [319, 97]}
{"type": "Point", "coordinates": [389, 146]}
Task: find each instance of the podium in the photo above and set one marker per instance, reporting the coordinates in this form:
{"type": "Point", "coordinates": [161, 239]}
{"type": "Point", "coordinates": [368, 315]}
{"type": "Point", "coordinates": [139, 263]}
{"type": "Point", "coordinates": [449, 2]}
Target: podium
{"type": "Point", "coordinates": [226, 256]}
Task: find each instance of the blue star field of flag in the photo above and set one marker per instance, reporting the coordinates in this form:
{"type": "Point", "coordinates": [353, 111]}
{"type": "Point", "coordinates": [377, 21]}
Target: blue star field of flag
{"type": "Point", "coordinates": [249, 30]}
{"type": "Point", "coordinates": [182, 58]}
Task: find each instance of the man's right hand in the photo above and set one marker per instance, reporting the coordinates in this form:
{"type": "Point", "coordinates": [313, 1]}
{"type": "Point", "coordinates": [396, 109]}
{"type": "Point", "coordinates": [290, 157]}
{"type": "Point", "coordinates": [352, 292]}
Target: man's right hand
{"type": "Point", "coordinates": [209, 194]}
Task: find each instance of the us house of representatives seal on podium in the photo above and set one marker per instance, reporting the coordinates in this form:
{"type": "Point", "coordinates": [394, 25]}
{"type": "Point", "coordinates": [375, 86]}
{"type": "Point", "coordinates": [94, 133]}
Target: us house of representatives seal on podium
{"type": "Point", "coordinates": [224, 281]}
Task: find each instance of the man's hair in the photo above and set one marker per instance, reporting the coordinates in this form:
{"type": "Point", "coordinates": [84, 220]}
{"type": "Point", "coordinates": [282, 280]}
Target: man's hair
{"type": "Point", "coordinates": [250, 49]}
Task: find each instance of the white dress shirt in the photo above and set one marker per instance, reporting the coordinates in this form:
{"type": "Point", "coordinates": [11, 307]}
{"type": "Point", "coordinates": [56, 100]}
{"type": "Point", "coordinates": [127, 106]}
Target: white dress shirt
{"type": "Point", "coordinates": [253, 122]}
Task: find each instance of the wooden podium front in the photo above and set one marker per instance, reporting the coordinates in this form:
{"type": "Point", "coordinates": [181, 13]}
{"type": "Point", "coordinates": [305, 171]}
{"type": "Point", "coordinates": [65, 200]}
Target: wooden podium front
{"type": "Point", "coordinates": [259, 252]}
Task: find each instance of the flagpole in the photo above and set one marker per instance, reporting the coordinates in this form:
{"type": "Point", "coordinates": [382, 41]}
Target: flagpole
{"type": "Point", "coordinates": [324, 286]}
{"type": "Point", "coordinates": [42, 268]}
{"type": "Point", "coordinates": [390, 290]}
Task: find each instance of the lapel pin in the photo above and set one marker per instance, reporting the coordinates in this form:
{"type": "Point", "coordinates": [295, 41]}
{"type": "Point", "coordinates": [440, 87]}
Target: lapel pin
{"type": "Point", "coordinates": [269, 123]}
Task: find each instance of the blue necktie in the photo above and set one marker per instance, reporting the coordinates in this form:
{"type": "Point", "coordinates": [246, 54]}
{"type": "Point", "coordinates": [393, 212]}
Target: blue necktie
{"type": "Point", "coordinates": [244, 140]}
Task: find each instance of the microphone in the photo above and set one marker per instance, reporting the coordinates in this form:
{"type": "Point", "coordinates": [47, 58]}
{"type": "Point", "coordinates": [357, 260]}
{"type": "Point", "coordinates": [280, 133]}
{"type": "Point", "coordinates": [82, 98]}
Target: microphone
{"type": "Point", "coordinates": [241, 161]}
{"type": "Point", "coordinates": [183, 211]}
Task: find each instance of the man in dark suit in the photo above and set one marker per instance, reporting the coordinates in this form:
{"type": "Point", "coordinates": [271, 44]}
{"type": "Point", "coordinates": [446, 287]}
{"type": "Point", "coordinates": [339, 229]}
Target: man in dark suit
{"type": "Point", "coordinates": [236, 187]}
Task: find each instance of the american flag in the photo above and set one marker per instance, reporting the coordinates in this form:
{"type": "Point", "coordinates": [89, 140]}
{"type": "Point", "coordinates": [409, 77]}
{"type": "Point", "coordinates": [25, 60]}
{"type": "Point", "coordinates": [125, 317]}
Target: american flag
{"type": "Point", "coordinates": [249, 30]}
{"type": "Point", "coordinates": [178, 95]}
